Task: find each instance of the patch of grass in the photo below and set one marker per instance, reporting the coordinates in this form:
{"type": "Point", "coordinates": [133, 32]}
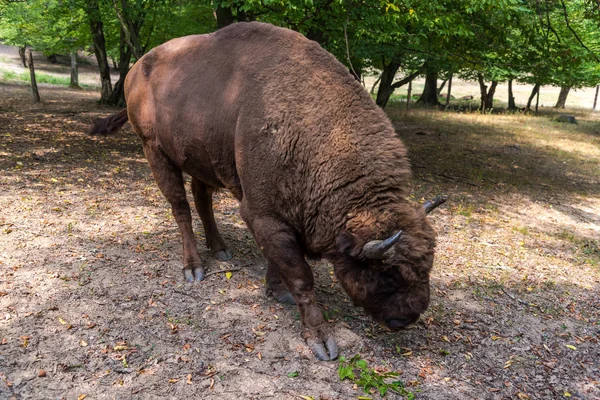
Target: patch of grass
{"type": "Point", "coordinates": [40, 77]}
{"type": "Point", "coordinates": [522, 230]}
{"type": "Point", "coordinates": [465, 210]}
{"type": "Point", "coordinates": [370, 380]}
{"type": "Point", "coordinates": [587, 249]}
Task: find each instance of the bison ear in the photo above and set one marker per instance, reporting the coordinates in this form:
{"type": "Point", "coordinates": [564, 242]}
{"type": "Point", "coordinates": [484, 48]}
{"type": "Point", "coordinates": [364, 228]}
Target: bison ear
{"type": "Point", "coordinates": [350, 244]}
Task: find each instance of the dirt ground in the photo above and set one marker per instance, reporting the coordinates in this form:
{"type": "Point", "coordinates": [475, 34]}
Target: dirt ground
{"type": "Point", "coordinates": [93, 304]}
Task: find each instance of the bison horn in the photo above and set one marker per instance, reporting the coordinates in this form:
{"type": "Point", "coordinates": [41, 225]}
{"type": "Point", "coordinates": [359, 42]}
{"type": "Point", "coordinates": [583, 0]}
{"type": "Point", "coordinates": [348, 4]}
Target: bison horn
{"type": "Point", "coordinates": [376, 249]}
{"type": "Point", "coordinates": [432, 204]}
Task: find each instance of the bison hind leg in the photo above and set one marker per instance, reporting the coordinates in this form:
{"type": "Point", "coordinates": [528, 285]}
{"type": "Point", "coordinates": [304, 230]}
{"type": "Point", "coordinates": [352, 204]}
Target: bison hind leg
{"type": "Point", "coordinates": [203, 203]}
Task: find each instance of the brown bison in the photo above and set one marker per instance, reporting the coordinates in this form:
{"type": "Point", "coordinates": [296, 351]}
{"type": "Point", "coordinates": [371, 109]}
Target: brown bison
{"type": "Point", "coordinates": [319, 171]}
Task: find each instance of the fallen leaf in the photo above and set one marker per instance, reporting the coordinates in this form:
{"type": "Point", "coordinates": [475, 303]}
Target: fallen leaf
{"type": "Point", "coordinates": [62, 321]}
{"type": "Point", "coordinates": [174, 380]}
{"type": "Point", "coordinates": [81, 396]}
{"type": "Point", "coordinates": [41, 373]}
{"type": "Point", "coordinates": [119, 348]}
{"type": "Point", "coordinates": [567, 394]}
{"type": "Point", "coordinates": [570, 346]}
{"type": "Point", "coordinates": [306, 397]}
{"type": "Point", "coordinates": [228, 274]}
{"type": "Point", "coordinates": [189, 379]}
{"type": "Point", "coordinates": [83, 343]}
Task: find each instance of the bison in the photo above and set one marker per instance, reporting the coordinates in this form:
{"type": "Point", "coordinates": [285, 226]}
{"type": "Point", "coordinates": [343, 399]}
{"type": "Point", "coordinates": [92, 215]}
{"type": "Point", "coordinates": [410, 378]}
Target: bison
{"type": "Point", "coordinates": [316, 165]}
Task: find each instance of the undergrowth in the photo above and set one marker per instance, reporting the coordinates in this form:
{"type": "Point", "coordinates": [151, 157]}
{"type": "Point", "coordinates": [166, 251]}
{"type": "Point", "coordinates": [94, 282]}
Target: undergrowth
{"type": "Point", "coordinates": [370, 380]}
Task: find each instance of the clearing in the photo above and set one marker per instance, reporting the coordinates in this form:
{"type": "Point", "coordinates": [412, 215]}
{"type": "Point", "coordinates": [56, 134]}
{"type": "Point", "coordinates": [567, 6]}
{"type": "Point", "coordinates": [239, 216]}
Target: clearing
{"type": "Point", "coordinates": [93, 302]}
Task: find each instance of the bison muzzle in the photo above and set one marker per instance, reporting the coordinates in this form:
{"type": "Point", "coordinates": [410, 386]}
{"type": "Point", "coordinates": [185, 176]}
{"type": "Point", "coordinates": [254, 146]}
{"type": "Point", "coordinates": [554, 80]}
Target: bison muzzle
{"type": "Point", "coordinates": [316, 165]}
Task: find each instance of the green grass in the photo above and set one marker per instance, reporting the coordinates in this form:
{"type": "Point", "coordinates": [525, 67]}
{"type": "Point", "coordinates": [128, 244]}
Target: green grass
{"type": "Point", "coordinates": [40, 77]}
{"type": "Point", "coordinates": [370, 380]}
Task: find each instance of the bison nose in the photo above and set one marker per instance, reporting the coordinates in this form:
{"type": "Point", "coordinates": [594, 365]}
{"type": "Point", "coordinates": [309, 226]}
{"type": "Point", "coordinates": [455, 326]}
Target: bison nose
{"type": "Point", "coordinates": [395, 324]}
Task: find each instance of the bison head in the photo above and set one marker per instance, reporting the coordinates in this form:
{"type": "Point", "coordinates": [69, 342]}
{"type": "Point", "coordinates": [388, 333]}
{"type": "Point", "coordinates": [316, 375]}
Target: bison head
{"type": "Point", "coordinates": [390, 278]}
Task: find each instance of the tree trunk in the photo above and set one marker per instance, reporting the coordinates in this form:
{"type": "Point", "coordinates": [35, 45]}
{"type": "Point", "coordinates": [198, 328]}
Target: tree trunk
{"type": "Point", "coordinates": [596, 98]}
{"type": "Point", "coordinates": [483, 91]}
{"type": "Point", "coordinates": [117, 98]}
{"type": "Point", "coordinates": [409, 96]}
{"type": "Point", "coordinates": [96, 26]}
{"type": "Point", "coordinates": [74, 70]}
{"type": "Point", "coordinates": [536, 89]}
{"type": "Point", "coordinates": [388, 90]}
{"type": "Point", "coordinates": [224, 16]}
{"type": "Point", "coordinates": [489, 100]}
{"type": "Point", "coordinates": [511, 97]}
{"type": "Point", "coordinates": [375, 84]}
{"type": "Point", "coordinates": [385, 83]}
{"type": "Point", "coordinates": [131, 25]}
{"type": "Point", "coordinates": [562, 97]}
{"type": "Point", "coordinates": [429, 95]}
{"type": "Point", "coordinates": [537, 101]}
{"type": "Point", "coordinates": [22, 55]}
{"type": "Point", "coordinates": [35, 95]}
{"type": "Point", "coordinates": [439, 90]}
{"type": "Point", "coordinates": [449, 94]}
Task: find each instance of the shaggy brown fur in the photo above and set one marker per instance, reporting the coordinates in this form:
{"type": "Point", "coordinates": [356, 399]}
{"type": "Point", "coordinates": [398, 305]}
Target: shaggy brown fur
{"type": "Point", "coordinates": [317, 166]}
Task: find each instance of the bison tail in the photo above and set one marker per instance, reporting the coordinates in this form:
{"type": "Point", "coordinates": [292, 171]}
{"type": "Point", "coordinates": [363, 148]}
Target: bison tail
{"type": "Point", "coordinates": [110, 124]}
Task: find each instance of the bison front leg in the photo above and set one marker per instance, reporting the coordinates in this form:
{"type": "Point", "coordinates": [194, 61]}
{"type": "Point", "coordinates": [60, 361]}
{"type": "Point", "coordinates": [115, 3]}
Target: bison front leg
{"type": "Point", "coordinates": [170, 181]}
{"type": "Point", "coordinates": [286, 261]}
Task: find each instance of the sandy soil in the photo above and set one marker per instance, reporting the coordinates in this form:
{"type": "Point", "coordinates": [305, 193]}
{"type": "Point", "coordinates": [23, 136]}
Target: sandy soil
{"type": "Point", "coordinates": [93, 303]}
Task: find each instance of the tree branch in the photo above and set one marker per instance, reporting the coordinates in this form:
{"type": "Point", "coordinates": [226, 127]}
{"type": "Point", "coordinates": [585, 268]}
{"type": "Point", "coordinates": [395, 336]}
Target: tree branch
{"type": "Point", "coordinates": [408, 78]}
{"type": "Point", "coordinates": [573, 31]}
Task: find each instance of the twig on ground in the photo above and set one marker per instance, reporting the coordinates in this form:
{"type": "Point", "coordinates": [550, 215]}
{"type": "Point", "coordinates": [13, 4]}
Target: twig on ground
{"type": "Point", "coordinates": [222, 270]}
{"type": "Point", "coordinates": [514, 298]}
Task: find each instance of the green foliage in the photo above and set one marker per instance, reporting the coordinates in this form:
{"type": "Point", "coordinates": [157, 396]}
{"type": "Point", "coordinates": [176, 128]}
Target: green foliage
{"type": "Point", "coordinates": [357, 370]}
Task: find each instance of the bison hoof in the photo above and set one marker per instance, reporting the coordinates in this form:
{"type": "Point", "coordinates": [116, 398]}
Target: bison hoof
{"type": "Point", "coordinates": [323, 351]}
{"type": "Point", "coordinates": [195, 274]}
{"type": "Point", "coordinates": [282, 296]}
{"type": "Point", "coordinates": [223, 255]}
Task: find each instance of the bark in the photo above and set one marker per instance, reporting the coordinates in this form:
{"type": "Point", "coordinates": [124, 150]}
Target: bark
{"type": "Point", "coordinates": [537, 101]}
{"type": "Point", "coordinates": [224, 16]}
{"type": "Point", "coordinates": [97, 29]}
{"type": "Point", "coordinates": [429, 95]}
{"type": "Point", "coordinates": [375, 85]}
{"type": "Point", "coordinates": [449, 94]}
{"type": "Point", "coordinates": [22, 50]}
{"type": "Point", "coordinates": [511, 97]}
{"type": "Point", "coordinates": [131, 27]}
{"type": "Point", "coordinates": [487, 95]}
{"type": "Point", "coordinates": [409, 96]}
{"type": "Point", "coordinates": [490, 96]}
{"type": "Point", "coordinates": [387, 84]}
{"type": "Point", "coordinates": [536, 89]}
{"type": "Point", "coordinates": [74, 70]}
{"type": "Point", "coordinates": [35, 94]}
{"type": "Point", "coordinates": [562, 97]}
{"type": "Point", "coordinates": [596, 98]}
{"type": "Point", "coordinates": [117, 98]}
{"type": "Point", "coordinates": [442, 86]}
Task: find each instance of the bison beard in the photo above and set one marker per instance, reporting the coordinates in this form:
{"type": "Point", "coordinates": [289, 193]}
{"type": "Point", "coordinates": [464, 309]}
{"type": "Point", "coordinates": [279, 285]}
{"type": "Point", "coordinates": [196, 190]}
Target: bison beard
{"type": "Point", "coordinates": [271, 116]}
